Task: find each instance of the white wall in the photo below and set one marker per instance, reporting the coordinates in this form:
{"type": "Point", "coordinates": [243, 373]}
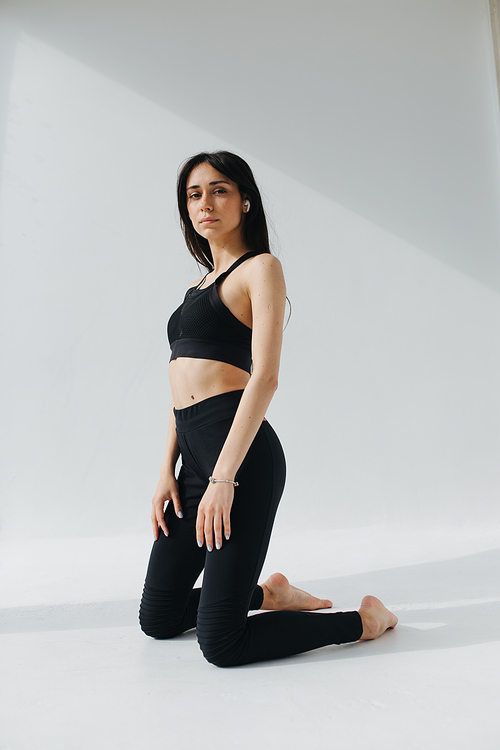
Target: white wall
{"type": "Point", "coordinates": [389, 108]}
{"type": "Point", "coordinates": [388, 404]}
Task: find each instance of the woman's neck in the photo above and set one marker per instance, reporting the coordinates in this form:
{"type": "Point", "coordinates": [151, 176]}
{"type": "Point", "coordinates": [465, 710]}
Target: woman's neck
{"type": "Point", "coordinates": [224, 257]}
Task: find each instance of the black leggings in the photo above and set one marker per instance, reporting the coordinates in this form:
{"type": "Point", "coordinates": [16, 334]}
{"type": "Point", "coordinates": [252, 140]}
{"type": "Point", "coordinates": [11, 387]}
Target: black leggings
{"type": "Point", "coordinates": [219, 610]}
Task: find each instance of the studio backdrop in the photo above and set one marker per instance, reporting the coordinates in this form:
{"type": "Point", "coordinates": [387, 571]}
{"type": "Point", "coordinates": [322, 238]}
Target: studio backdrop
{"type": "Point", "coordinates": [372, 129]}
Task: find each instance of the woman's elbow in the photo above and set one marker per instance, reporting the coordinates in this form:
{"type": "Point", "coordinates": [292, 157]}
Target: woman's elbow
{"type": "Point", "coordinates": [268, 381]}
{"type": "Point", "coordinates": [273, 383]}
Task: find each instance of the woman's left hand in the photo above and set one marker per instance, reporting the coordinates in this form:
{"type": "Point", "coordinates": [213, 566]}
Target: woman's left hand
{"type": "Point", "coordinates": [213, 521]}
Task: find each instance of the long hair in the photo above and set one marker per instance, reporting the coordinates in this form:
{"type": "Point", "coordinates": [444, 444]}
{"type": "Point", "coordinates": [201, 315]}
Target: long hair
{"type": "Point", "coordinates": [255, 234]}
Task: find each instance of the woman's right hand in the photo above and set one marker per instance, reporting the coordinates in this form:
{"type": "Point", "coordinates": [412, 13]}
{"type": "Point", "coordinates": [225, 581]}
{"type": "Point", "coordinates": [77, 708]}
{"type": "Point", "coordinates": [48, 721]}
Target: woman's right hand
{"type": "Point", "coordinates": [167, 490]}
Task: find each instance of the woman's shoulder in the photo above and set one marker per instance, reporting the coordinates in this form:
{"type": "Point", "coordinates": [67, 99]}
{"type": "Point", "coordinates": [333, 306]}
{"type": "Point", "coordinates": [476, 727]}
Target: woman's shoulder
{"type": "Point", "coordinates": [264, 277]}
{"type": "Point", "coordinates": [264, 266]}
{"type": "Point", "coordinates": [262, 262]}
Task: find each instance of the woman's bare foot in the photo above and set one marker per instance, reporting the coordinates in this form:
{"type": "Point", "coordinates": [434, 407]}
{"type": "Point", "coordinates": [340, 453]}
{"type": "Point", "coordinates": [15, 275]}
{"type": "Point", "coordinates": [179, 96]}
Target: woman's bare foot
{"type": "Point", "coordinates": [375, 617]}
{"type": "Point", "coordinates": [280, 594]}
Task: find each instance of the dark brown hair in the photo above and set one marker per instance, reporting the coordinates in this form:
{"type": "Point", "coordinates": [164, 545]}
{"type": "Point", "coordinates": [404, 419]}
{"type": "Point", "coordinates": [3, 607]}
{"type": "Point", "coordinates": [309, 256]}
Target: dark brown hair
{"type": "Point", "coordinates": [255, 234]}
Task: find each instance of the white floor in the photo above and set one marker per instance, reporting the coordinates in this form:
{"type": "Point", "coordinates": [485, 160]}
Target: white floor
{"type": "Point", "coordinates": [77, 673]}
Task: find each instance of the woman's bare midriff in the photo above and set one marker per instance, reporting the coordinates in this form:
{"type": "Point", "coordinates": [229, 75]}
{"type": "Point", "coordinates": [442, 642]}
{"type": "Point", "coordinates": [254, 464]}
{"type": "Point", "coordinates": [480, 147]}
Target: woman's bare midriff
{"type": "Point", "coordinates": [193, 380]}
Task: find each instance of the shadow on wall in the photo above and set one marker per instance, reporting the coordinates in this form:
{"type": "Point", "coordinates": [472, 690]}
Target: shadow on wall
{"type": "Point", "coordinates": [440, 605]}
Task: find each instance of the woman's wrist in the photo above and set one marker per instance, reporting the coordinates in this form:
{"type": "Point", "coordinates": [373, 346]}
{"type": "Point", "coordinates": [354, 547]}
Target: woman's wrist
{"type": "Point", "coordinates": [167, 472]}
{"type": "Point", "coordinates": [214, 480]}
{"type": "Point", "coordinates": [221, 472]}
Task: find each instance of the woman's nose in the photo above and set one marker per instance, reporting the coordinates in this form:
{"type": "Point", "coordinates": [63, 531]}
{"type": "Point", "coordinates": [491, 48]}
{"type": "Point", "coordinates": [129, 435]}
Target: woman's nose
{"type": "Point", "coordinates": [206, 204]}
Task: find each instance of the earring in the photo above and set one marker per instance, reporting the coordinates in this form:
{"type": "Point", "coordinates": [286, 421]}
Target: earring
{"type": "Point", "coordinates": [247, 205]}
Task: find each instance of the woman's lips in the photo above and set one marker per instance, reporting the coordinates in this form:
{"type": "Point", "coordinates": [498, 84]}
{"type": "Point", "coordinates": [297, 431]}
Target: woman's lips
{"type": "Point", "coordinates": [208, 221]}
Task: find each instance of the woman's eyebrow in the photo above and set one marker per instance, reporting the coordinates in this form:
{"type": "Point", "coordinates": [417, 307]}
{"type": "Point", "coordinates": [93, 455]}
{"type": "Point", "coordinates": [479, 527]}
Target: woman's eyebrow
{"type": "Point", "coordinates": [215, 182]}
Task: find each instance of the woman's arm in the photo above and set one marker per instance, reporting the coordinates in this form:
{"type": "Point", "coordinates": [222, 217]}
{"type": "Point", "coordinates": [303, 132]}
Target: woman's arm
{"type": "Point", "coordinates": [167, 488]}
{"type": "Point", "coordinates": [267, 293]}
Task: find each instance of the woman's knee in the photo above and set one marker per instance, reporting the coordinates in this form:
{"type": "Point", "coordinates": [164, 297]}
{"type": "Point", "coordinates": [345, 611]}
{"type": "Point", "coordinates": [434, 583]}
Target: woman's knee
{"type": "Point", "coordinates": [161, 615]}
{"type": "Point", "coordinates": [217, 652]}
{"type": "Point", "coordinates": [219, 639]}
{"type": "Point", "coordinates": [158, 628]}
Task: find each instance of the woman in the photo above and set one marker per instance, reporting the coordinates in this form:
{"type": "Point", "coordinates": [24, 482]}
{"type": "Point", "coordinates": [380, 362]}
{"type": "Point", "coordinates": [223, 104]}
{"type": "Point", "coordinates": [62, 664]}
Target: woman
{"type": "Point", "coordinates": [226, 343]}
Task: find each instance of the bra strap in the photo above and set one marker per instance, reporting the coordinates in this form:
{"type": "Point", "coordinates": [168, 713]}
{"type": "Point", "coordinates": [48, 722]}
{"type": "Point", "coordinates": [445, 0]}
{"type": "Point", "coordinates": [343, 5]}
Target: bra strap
{"type": "Point", "coordinates": [195, 288]}
{"type": "Point", "coordinates": [236, 263]}
{"type": "Point", "coordinates": [201, 283]}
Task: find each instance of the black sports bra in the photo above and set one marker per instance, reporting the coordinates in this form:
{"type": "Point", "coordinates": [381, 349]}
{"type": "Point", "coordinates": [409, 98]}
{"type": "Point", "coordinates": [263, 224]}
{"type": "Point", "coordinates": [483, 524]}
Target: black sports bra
{"type": "Point", "coordinates": [204, 328]}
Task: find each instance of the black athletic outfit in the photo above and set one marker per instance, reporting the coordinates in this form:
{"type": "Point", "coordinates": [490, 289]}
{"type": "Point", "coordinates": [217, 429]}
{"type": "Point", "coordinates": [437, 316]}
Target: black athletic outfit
{"type": "Point", "coordinates": [219, 610]}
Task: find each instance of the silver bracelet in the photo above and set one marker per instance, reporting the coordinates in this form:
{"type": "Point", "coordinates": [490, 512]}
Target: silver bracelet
{"type": "Point", "coordinates": [229, 481]}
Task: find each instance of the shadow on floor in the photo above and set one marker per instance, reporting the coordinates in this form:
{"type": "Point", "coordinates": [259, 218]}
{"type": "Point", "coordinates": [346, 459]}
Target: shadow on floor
{"type": "Point", "coordinates": [440, 605]}
{"type": "Point", "coordinates": [451, 628]}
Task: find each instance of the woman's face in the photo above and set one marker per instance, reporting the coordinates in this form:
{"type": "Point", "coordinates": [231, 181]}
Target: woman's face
{"type": "Point", "coordinates": [214, 204]}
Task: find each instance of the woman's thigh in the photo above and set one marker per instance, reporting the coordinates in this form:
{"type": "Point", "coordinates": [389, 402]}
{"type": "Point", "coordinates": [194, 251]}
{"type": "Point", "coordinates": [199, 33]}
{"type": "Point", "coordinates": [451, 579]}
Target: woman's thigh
{"type": "Point", "coordinates": [176, 561]}
{"type": "Point", "coordinates": [233, 570]}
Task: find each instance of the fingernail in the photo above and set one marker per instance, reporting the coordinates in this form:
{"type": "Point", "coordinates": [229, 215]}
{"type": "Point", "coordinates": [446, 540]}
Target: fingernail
{"type": "Point", "coordinates": [218, 545]}
{"type": "Point", "coordinates": [227, 536]}
{"type": "Point", "coordinates": [200, 543]}
{"type": "Point", "coordinates": [180, 514]}
{"type": "Point", "coordinates": [209, 548]}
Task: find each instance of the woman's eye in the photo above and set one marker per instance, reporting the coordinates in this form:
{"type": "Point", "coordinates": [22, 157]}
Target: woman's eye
{"type": "Point", "coordinates": [194, 195]}
{"type": "Point", "coordinates": [219, 190]}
